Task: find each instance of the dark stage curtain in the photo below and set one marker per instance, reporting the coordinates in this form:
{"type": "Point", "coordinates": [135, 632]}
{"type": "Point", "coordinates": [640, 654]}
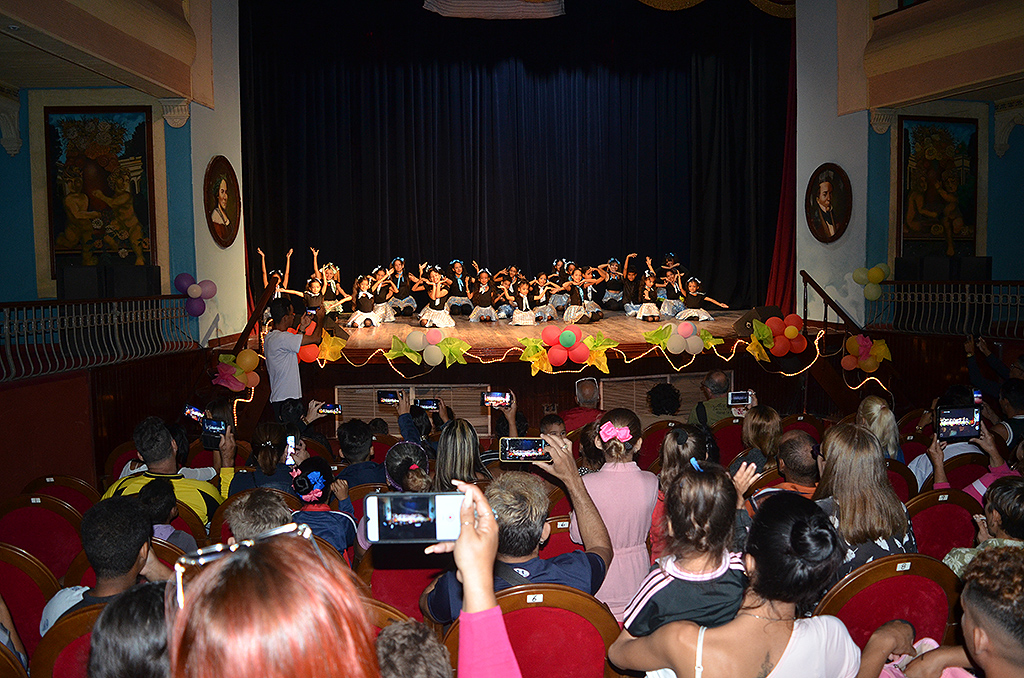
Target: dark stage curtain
{"type": "Point", "coordinates": [782, 283]}
{"type": "Point", "coordinates": [380, 129]}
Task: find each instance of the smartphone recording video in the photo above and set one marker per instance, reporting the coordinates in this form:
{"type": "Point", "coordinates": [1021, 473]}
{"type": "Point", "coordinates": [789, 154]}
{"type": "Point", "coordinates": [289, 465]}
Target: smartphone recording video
{"type": "Point", "coordinates": [413, 518]}
{"type": "Point", "coordinates": [289, 446]}
{"type": "Point", "coordinates": [737, 398]}
{"type": "Point", "coordinates": [959, 424]}
{"type": "Point", "coordinates": [495, 399]}
{"type": "Point", "coordinates": [523, 449]}
{"type": "Point", "coordinates": [193, 412]}
{"type": "Point", "coordinates": [428, 404]}
{"type": "Point", "coordinates": [329, 408]}
{"type": "Point", "coordinates": [387, 397]}
{"type": "Point", "coordinates": [212, 431]}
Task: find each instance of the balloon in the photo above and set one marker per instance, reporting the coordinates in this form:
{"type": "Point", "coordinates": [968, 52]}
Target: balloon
{"type": "Point", "coordinates": [849, 362]}
{"type": "Point", "coordinates": [434, 336]}
{"type": "Point", "coordinates": [791, 332]}
{"type": "Point", "coordinates": [182, 282]}
{"type": "Point", "coordinates": [310, 328]}
{"type": "Point", "coordinates": [209, 289]}
{"type": "Point", "coordinates": [869, 364]}
{"type": "Point", "coordinates": [194, 291]}
{"type": "Point", "coordinates": [557, 355]}
{"type": "Point", "coordinates": [860, 276]}
{"type": "Point", "coordinates": [876, 275]}
{"type": "Point", "coordinates": [872, 291]}
{"type": "Point", "coordinates": [579, 353]}
{"type": "Point", "coordinates": [550, 335]}
{"type": "Point", "coordinates": [432, 355]}
{"type": "Point", "coordinates": [247, 359]}
{"type": "Point", "coordinates": [291, 330]}
{"type": "Point", "coordinates": [675, 344]}
{"type": "Point", "coordinates": [776, 325]}
{"type": "Point", "coordinates": [567, 338]}
{"type": "Point", "coordinates": [694, 344]}
{"type": "Point", "coordinates": [686, 329]}
{"type": "Point", "coordinates": [798, 344]}
{"type": "Point", "coordinates": [781, 347]}
{"type": "Point", "coordinates": [576, 332]}
{"type": "Point", "coordinates": [886, 271]}
{"type": "Point", "coordinates": [252, 379]}
{"type": "Point", "coordinates": [195, 307]}
{"type": "Point", "coordinates": [416, 340]}
{"type": "Point", "coordinates": [794, 320]}
{"type": "Point", "coordinates": [852, 346]}
{"type": "Point", "coordinates": [309, 353]}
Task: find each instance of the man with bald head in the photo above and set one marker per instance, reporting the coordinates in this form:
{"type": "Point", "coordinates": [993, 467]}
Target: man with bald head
{"type": "Point", "coordinates": [588, 396]}
{"type": "Point", "coordinates": [713, 388]}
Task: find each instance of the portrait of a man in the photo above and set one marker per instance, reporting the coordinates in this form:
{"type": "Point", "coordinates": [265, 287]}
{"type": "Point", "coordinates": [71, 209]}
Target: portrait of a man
{"type": "Point", "coordinates": [828, 203]}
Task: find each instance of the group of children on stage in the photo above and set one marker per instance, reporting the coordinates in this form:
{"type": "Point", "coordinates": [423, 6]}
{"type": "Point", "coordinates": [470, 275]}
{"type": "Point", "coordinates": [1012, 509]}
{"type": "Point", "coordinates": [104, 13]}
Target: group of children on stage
{"type": "Point", "coordinates": [579, 294]}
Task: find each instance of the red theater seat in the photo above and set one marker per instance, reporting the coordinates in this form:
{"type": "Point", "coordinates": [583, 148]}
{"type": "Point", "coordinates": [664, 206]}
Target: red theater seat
{"type": "Point", "coordinates": [46, 527]}
{"type": "Point", "coordinates": [942, 520]}
{"type": "Point", "coordinates": [397, 574]}
{"type": "Point", "coordinates": [75, 491]}
{"type": "Point", "coordinates": [64, 651]}
{"type": "Point", "coordinates": [26, 585]}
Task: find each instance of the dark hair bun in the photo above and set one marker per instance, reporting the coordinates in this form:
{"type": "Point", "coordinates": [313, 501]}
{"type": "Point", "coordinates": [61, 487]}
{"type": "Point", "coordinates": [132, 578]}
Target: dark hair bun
{"type": "Point", "coordinates": [813, 539]}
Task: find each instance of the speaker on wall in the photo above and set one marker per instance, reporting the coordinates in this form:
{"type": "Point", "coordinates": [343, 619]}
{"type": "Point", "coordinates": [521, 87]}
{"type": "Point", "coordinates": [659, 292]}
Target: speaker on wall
{"type": "Point", "coordinates": [744, 326]}
{"type": "Point", "coordinates": [107, 282]}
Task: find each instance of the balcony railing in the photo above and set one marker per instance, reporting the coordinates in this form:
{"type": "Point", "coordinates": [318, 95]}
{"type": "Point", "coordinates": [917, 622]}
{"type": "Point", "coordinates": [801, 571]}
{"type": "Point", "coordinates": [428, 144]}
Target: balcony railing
{"type": "Point", "coordinates": [987, 308]}
{"type": "Point", "coordinates": [49, 337]}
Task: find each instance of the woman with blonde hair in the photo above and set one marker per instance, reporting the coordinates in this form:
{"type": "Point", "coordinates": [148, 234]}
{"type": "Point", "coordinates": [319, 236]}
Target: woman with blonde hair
{"type": "Point", "coordinates": [762, 427]}
{"type": "Point", "coordinates": [856, 494]}
{"type": "Point", "coordinates": [458, 457]}
{"type": "Point", "coordinates": [875, 415]}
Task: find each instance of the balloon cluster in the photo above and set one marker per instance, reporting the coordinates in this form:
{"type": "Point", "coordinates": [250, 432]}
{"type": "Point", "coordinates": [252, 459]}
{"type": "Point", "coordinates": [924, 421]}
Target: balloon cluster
{"type": "Point", "coordinates": [869, 278]}
{"type": "Point", "coordinates": [864, 353]}
{"type": "Point", "coordinates": [786, 334]}
{"type": "Point", "coordinates": [197, 293]}
{"type": "Point", "coordinates": [308, 353]}
{"type": "Point", "coordinates": [236, 372]}
{"type": "Point", "coordinates": [427, 342]}
{"type": "Point", "coordinates": [685, 338]}
{"type": "Point", "coordinates": [565, 344]}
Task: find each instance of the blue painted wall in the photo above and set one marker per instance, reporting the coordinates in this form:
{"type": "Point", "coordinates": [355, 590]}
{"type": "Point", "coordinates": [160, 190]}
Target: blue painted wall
{"type": "Point", "coordinates": [877, 246]}
{"type": "Point", "coordinates": [178, 144]}
{"type": "Point", "coordinates": [17, 254]}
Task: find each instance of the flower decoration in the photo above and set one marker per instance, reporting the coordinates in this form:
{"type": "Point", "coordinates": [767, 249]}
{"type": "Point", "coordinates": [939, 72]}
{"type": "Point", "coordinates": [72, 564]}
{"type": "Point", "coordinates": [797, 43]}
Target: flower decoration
{"type": "Point", "coordinates": [864, 353]}
{"type": "Point", "coordinates": [330, 347]}
{"type": "Point", "coordinates": [709, 340]}
{"type": "Point", "coordinates": [598, 345]}
{"type": "Point", "coordinates": [400, 349]}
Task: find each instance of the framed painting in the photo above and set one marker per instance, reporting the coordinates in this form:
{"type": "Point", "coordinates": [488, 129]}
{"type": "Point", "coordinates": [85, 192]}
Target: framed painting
{"type": "Point", "coordinates": [828, 202]}
{"type": "Point", "coordinates": [99, 177]}
{"type": "Point", "coordinates": [938, 182]}
{"type": "Point", "coordinates": [222, 201]}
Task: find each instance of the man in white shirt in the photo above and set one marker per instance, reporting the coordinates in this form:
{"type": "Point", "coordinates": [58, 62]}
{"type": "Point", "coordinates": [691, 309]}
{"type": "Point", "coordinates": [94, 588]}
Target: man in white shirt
{"type": "Point", "coordinates": [957, 396]}
{"type": "Point", "coordinates": [282, 351]}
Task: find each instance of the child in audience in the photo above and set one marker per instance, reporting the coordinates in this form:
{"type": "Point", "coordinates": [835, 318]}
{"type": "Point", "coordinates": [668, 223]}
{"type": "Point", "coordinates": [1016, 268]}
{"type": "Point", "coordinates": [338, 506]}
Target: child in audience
{"type": "Point", "coordinates": [678, 447]}
{"type": "Point", "coordinates": [762, 427]}
{"type": "Point", "coordinates": [311, 481]}
{"type": "Point", "coordinates": [161, 507]}
{"type": "Point", "coordinates": [409, 649]}
{"type": "Point", "coordinates": [1002, 523]}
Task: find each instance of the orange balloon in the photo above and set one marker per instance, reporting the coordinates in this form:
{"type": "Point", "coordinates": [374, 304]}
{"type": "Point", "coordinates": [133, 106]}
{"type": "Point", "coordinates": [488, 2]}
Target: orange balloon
{"type": "Point", "coordinates": [309, 353]}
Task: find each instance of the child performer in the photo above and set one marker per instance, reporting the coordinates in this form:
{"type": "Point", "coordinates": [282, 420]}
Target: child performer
{"type": "Point", "coordinates": [579, 310]}
{"type": "Point", "coordinates": [558, 277]}
{"type": "Point", "coordinates": [363, 313]}
{"type": "Point", "coordinates": [540, 297]}
{"type": "Point", "coordinates": [334, 294]}
{"type": "Point", "coordinates": [403, 301]}
{"type": "Point", "coordinates": [505, 298]}
{"type": "Point", "coordinates": [648, 310]}
{"type": "Point", "coordinates": [483, 296]}
{"type": "Point", "coordinates": [612, 300]}
{"type": "Point", "coordinates": [630, 288]}
{"type": "Point", "coordinates": [458, 295]}
{"type": "Point", "coordinates": [673, 303]}
{"type": "Point", "coordinates": [435, 313]}
{"type": "Point", "coordinates": [282, 282]}
{"type": "Point", "coordinates": [693, 300]}
{"type": "Point", "coordinates": [383, 290]}
{"type": "Point", "coordinates": [522, 314]}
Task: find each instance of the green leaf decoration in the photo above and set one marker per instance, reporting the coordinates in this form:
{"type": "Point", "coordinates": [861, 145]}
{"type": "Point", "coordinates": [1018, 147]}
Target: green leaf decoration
{"type": "Point", "coordinates": [533, 348]}
{"type": "Point", "coordinates": [226, 358]}
{"type": "Point", "coordinates": [659, 336]}
{"type": "Point", "coordinates": [709, 340]}
{"type": "Point", "coordinates": [453, 350]}
{"type": "Point", "coordinates": [598, 342]}
{"type": "Point", "coordinates": [763, 334]}
{"type": "Point", "coordinates": [399, 349]}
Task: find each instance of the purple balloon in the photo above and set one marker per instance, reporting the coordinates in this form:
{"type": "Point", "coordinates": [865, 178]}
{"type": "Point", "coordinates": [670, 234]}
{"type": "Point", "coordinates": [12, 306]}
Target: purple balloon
{"type": "Point", "coordinates": [209, 289]}
{"type": "Point", "coordinates": [195, 307]}
{"type": "Point", "coordinates": [182, 281]}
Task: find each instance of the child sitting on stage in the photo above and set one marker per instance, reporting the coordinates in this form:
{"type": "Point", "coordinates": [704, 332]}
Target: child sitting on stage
{"type": "Point", "coordinates": [540, 298]}
{"type": "Point", "coordinates": [693, 300]}
{"type": "Point", "coordinates": [383, 290]}
{"type": "Point", "coordinates": [648, 311]}
{"type": "Point", "coordinates": [363, 313]}
{"type": "Point", "coordinates": [435, 313]}
{"type": "Point", "coordinates": [483, 297]}
{"type": "Point", "coordinates": [522, 314]}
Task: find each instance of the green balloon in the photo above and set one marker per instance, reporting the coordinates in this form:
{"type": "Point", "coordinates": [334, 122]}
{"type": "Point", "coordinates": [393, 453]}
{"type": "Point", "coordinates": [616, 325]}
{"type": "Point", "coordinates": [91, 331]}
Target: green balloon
{"type": "Point", "coordinates": [872, 291]}
{"type": "Point", "coordinates": [860, 276]}
{"type": "Point", "coordinates": [886, 271]}
{"type": "Point", "coordinates": [567, 338]}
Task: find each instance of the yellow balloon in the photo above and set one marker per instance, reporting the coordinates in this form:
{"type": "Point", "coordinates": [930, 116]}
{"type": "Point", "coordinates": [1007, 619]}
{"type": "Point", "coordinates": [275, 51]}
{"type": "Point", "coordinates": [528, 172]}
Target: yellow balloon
{"type": "Point", "coordinates": [869, 364]}
{"type": "Point", "coordinates": [791, 332]}
{"type": "Point", "coordinates": [852, 347]}
{"type": "Point", "coordinates": [876, 275]}
{"type": "Point", "coordinates": [872, 291]}
{"type": "Point", "coordinates": [247, 360]}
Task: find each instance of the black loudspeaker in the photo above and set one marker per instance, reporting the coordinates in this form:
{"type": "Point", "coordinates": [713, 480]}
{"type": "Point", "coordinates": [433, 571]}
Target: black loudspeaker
{"type": "Point", "coordinates": [80, 282]}
{"type": "Point", "coordinates": [907, 268]}
{"type": "Point", "coordinates": [107, 282]}
{"type": "Point", "coordinates": [744, 327]}
{"type": "Point", "coordinates": [973, 269]}
{"type": "Point", "coordinates": [936, 268]}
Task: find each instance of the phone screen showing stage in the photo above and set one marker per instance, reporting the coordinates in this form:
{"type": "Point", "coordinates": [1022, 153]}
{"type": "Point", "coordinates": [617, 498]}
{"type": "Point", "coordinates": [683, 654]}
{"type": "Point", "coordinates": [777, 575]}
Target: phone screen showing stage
{"type": "Point", "coordinates": [193, 412]}
{"type": "Point", "coordinates": [523, 449]}
{"type": "Point", "coordinates": [329, 408]}
{"type": "Point", "coordinates": [387, 397]}
{"type": "Point", "coordinates": [428, 404]}
{"type": "Point", "coordinates": [959, 424]}
{"type": "Point", "coordinates": [421, 517]}
{"type": "Point", "coordinates": [737, 398]}
{"type": "Point", "coordinates": [495, 399]}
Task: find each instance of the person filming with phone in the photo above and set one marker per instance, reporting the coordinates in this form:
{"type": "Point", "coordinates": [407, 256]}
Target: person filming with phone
{"type": "Point", "coordinates": [719, 403]}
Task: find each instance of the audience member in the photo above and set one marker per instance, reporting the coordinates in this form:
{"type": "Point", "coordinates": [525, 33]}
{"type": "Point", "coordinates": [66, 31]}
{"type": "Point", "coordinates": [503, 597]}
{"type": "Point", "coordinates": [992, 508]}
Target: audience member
{"type": "Point", "coordinates": [355, 439]}
{"type": "Point", "coordinates": [255, 512]}
{"type": "Point", "coordinates": [154, 443]}
{"type": "Point", "coordinates": [591, 456]}
{"type": "Point", "coordinates": [698, 579]}
{"type": "Point", "coordinates": [414, 423]}
{"type": "Point", "coordinates": [797, 466]}
{"type": "Point", "coordinates": [588, 397]}
{"type": "Point", "coordinates": [9, 637]}
{"type": "Point", "coordinates": [762, 427]}
{"type": "Point", "coordinates": [1001, 525]}
{"type": "Point", "coordinates": [957, 396]}
{"type": "Point", "coordinates": [269, 456]}
{"type": "Point", "coordinates": [793, 553]}
{"type": "Point", "coordinates": [281, 349]}
{"type": "Point", "coordinates": [678, 447]}
{"type": "Point", "coordinates": [379, 427]}
{"type": "Point", "coordinates": [521, 509]}
{"type": "Point", "coordinates": [628, 523]}
{"type": "Point", "coordinates": [663, 398]}
{"type": "Point", "coordinates": [458, 457]}
{"type": "Point", "coordinates": [115, 538]}
{"type": "Point", "coordinates": [552, 425]}
{"type": "Point", "coordinates": [411, 650]}
{"type": "Point", "coordinates": [311, 481]}
{"type": "Point", "coordinates": [294, 414]}
{"type": "Point", "coordinates": [1002, 372]}
{"type": "Point", "coordinates": [180, 445]}
{"type": "Point", "coordinates": [874, 414]}
{"type": "Point", "coordinates": [129, 638]}
{"type": "Point", "coordinates": [858, 498]}
{"type": "Point", "coordinates": [511, 419]}
{"type": "Point", "coordinates": [1011, 401]}
{"type": "Point", "coordinates": [998, 467]}
{"type": "Point", "coordinates": [714, 407]}
{"type": "Point", "coordinates": [160, 507]}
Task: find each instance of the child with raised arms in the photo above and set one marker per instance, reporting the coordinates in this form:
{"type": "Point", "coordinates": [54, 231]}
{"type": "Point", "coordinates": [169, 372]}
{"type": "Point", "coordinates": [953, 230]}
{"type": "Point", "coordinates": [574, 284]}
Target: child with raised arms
{"type": "Point", "coordinates": [435, 313]}
{"type": "Point", "coordinates": [459, 283]}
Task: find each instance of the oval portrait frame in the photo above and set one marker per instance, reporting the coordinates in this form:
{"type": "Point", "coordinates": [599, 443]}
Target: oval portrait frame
{"type": "Point", "coordinates": [828, 227]}
{"type": "Point", "coordinates": [217, 171]}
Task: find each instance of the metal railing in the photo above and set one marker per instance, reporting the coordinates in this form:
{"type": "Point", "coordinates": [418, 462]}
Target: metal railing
{"type": "Point", "coordinates": [48, 337]}
{"type": "Point", "coordinates": [988, 308]}
{"type": "Point", "coordinates": [827, 302]}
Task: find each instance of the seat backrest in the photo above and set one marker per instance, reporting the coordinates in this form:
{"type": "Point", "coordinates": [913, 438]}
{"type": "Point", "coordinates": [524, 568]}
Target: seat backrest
{"type": "Point", "coordinates": [26, 585]}
{"type": "Point", "coordinates": [203, 458]}
{"type": "Point", "coordinates": [46, 527]}
{"type": "Point", "coordinates": [808, 423]}
{"type": "Point", "coordinates": [116, 460]}
{"type": "Point", "coordinates": [80, 573]}
{"type": "Point", "coordinates": [188, 521]}
{"type": "Point", "coordinates": [961, 470]}
{"type": "Point", "coordinates": [316, 449]}
{"type": "Point", "coordinates": [914, 446]}
{"type": "Point", "coordinates": [558, 503]}
{"type": "Point", "coordinates": [559, 541]}
{"type": "Point", "coordinates": [357, 494]}
{"type": "Point", "coordinates": [907, 425]}
{"type": "Point", "coordinates": [902, 479]}
{"type": "Point", "coordinates": [653, 436]}
{"type": "Point", "coordinates": [381, 615]}
{"type": "Point", "coordinates": [75, 491]}
{"type": "Point", "coordinates": [769, 478]}
{"type": "Point", "coordinates": [545, 620]}
{"type": "Point", "coordinates": [729, 436]}
{"type": "Point", "coordinates": [219, 530]}
{"type": "Point", "coordinates": [913, 587]}
{"type": "Point", "coordinates": [64, 650]}
{"type": "Point", "coordinates": [942, 520]}
{"type": "Point", "coordinates": [398, 573]}
{"type": "Point", "coordinates": [10, 666]}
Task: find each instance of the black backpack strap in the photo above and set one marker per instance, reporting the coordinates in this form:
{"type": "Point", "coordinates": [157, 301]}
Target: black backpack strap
{"type": "Point", "coordinates": [702, 414]}
{"type": "Point", "coordinates": [506, 572]}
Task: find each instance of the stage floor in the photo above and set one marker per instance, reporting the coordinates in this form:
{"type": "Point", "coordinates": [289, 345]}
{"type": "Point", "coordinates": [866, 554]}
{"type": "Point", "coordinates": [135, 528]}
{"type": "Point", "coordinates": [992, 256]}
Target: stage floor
{"type": "Point", "coordinates": [494, 340]}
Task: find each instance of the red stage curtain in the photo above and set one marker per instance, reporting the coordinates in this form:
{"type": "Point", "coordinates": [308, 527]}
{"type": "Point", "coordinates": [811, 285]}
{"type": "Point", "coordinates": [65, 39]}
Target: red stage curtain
{"type": "Point", "coordinates": [782, 283]}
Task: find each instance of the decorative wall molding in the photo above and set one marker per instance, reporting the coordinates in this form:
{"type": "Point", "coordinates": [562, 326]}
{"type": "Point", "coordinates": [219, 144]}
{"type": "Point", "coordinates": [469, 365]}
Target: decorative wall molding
{"type": "Point", "coordinates": [1009, 112]}
{"type": "Point", "coordinates": [882, 119]}
{"type": "Point", "coordinates": [10, 110]}
{"type": "Point", "coordinates": [176, 111]}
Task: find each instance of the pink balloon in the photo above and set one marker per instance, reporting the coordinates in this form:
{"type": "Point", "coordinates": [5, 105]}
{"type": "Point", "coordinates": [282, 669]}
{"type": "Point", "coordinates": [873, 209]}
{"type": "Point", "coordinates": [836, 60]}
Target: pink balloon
{"type": "Point", "coordinates": [209, 289]}
{"type": "Point", "coordinates": [252, 379]}
{"type": "Point", "coordinates": [550, 335]}
{"type": "Point", "coordinates": [685, 329]}
{"type": "Point", "coordinates": [434, 336]}
{"type": "Point", "coordinates": [579, 353]}
{"type": "Point", "coordinates": [557, 355]}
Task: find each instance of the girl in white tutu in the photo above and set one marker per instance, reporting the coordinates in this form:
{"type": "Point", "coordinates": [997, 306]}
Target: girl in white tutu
{"type": "Point", "coordinates": [693, 300]}
{"type": "Point", "coordinates": [363, 315]}
{"type": "Point", "coordinates": [648, 310]}
{"type": "Point", "coordinates": [522, 313]}
{"type": "Point", "coordinates": [383, 291]}
{"type": "Point", "coordinates": [580, 309]}
{"type": "Point", "coordinates": [434, 314]}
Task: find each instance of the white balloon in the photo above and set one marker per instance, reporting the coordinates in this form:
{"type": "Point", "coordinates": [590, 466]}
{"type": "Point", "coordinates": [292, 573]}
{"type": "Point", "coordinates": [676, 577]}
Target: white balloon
{"type": "Point", "coordinates": [432, 355]}
{"type": "Point", "coordinates": [694, 344]}
{"type": "Point", "coordinates": [416, 340]}
{"type": "Point", "coordinates": [194, 291]}
{"type": "Point", "coordinates": [675, 344]}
